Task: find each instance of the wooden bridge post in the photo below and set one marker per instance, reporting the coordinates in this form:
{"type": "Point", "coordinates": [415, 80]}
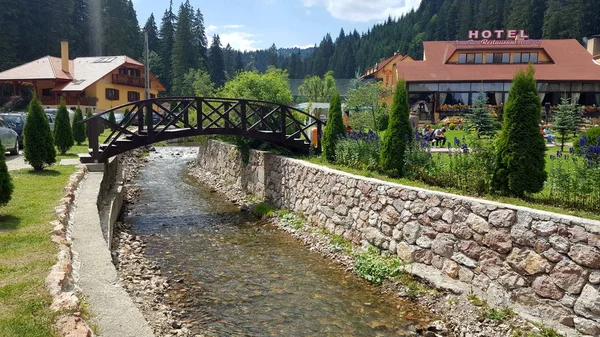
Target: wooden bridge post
{"type": "Point", "coordinates": [140, 117]}
{"type": "Point", "coordinates": [226, 114]}
{"type": "Point", "coordinates": [283, 113]}
{"type": "Point", "coordinates": [199, 114]}
{"type": "Point", "coordinates": [243, 116]}
{"type": "Point", "coordinates": [149, 120]}
{"type": "Point", "coordinates": [319, 129]}
{"type": "Point", "coordinates": [92, 126]}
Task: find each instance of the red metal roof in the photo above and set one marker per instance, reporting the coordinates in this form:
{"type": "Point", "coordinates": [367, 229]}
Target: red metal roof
{"type": "Point", "coordinates": [572, 62]}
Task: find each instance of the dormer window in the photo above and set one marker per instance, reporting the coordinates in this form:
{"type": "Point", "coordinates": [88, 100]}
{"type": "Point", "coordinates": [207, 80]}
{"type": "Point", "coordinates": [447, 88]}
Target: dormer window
{"type": "Point", "coordinates": [470, 58]}
{"type": "Point", "coordinates": [525, 57]}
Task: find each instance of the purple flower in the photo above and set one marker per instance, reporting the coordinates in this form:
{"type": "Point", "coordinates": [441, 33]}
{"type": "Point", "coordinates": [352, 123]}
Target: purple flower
{"type": "Point", "coordinates": [571, 150]}
{"type": "Point", "coordinates": [583, 141]}
{"type": "Point", "coordinates": [456, 141]}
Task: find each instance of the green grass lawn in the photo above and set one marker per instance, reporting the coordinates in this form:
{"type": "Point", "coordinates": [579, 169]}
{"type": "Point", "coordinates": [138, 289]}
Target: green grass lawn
{"type": "Point", "coordinates": [26, 252]}
{"type": "Point", "coordinates": [73, 153]}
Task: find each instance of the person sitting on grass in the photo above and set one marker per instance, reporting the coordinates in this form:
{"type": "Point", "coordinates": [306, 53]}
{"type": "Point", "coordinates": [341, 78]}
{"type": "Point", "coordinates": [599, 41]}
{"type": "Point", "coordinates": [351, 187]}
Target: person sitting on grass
{"type": "Point", "coordinates": [439, 136]}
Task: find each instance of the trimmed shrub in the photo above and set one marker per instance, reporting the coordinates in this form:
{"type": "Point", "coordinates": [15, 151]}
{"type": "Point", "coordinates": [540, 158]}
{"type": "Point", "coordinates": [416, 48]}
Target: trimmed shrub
{"type": "Point", "coordinates": [334, 128]}
{"type": "Point", "coordinates": [63, 135]}
{"type": "Point", "coordinates": [111, 117]}
{"type": "Point", "coordinates": [399, 133]}
{"type": "Point", "coordinates": [39, 148]}
{"type": "Point", "coordinates": [6, 185]}
{"type": "Point", "coordinates": [520, 156]}
{"type": "Point", "coordinates": [79, 132]}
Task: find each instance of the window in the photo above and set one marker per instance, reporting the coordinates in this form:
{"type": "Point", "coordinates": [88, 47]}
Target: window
{"type": "Point", "coordinates": [46, 92]}
{"type": "Point", "coordinates": [133, 96]}
{"type": "Point", "coordinates": [470, 58]}
{"type": "Point", "coordinates": [497, 58]}
{"type": "Point", "coordinates": [505, 57]}
{"type": "Point", "coordinates": [112, 94]}
{"type": "Point", "coordinates": [152, 96]}
{"type": "Point", "coordinates": [525, 57]}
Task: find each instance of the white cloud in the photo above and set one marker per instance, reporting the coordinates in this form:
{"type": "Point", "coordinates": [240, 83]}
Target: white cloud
{"type": "Point", "coordinates": [364, 11]}
{"type": "Point", "coordinates": [302, 47]}
{"type": "Point", "coordinates": [239, 40]}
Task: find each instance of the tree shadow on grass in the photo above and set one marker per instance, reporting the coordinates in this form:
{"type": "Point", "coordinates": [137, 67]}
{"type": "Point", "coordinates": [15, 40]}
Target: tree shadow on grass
{"type": "Point", "coordinates": [44, 172]}
{"type": "Point", "coordinates": [9, 222]}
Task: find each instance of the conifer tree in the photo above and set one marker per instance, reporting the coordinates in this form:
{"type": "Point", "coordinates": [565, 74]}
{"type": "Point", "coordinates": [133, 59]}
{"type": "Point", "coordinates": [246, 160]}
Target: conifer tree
{"type": "Point", "coordinates": [79, 134]}
{"type": "Point", "coordinates": [480, 120]}
{"type": "Point", "coordinates": [152, 29]}
{"type": "Point", "coordinates": [399, 133]}
{"type": "Point", "coordinates": [39, 148]}
{"type": "Point", "coordinates": [334, 127]}
{"type": "Point", "coordinates": [183, 57]}
{"type": "Point", "coordinates": [167, 35]}
{"type": "Point", "coordinates": [520, 163]}
{"type": "Point", "coordinates": [6, 185]}
{"type": "Point", "coordinates": [199, 42]}
{"type": "Point", "coordinates": [567, 120]}
{"type": "Point", "coordinates": [216, 62]}
{"type": "Point", "coordinates": [111, 117]}
{"type": "Point", "coordinates": [63, 135]}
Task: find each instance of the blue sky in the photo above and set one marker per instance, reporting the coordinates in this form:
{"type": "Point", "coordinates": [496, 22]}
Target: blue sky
{"type": "Point", "coordinates": [256, 24]}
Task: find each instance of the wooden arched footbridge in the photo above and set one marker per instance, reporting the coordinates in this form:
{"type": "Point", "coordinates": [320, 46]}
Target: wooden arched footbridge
{"type": "Point", "coordinates": [159, 119]}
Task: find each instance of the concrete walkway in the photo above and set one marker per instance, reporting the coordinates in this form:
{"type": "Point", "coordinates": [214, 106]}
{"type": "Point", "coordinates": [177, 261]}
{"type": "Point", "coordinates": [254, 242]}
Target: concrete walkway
{"type": "Point", "coordinates": [113, 311]}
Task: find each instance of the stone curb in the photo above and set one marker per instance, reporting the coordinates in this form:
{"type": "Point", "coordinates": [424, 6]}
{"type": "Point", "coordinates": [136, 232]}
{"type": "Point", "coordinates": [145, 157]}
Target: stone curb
{"type": "Point", "coordinates": [60, 281]}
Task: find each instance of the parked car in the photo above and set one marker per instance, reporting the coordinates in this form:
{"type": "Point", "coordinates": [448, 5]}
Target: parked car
{"type": "Point", "coordinates": [15, 121]}
{"type": "Point", "coordinates": [54, 111]}
{"type": "Point", "coordinates": [9, 138]}
{"type": "Point", "coordinates": [118, 117]}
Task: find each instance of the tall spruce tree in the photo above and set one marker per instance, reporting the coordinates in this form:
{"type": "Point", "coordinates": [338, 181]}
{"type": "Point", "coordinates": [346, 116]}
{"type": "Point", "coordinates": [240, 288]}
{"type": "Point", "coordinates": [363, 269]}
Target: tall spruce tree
{"type": "Point", "coordinates": [152, 29]}
{"type": "Point", "coordinates": [398, 135]}
{"type": "Point", "coordinates": [183, 58]}
{"type": "Point", "coordinates": [79, 133]}
{"type": "Point", "coordinates": [39, 148]}
{"type": "Point", "coordinates": [479, 119]}
{"type": "Point", "coordinates": [167, 35]}
{"type": "Point", "coordinates": [199, 41]}
{"type": "Point", "coordinates": [216, 64]}
{"type": "Point", "coordinates": [6, 185]}
{"type": "Point", "coordinates": [520, 162]}
{"type": "Point", "coordinates": [334, 127]}
{"type": "Point", "coordinates": [63, 135]}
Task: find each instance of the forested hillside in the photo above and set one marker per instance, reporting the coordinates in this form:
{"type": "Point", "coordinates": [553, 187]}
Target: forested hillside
{"type": "Point", "coordinates": [178, 42]}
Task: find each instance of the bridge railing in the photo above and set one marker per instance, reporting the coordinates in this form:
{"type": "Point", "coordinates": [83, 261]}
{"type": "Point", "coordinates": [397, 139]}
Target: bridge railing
{"type": "Point", "coordinates": [157, 119]}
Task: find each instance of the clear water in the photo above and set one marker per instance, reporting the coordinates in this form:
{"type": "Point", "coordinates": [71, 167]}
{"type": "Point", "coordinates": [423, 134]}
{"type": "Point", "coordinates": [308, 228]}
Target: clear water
{"type": "Point", "coordinates": [246, 278]}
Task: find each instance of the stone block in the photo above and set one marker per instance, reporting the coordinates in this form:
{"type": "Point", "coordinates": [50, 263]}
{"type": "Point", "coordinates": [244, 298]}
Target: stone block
{"type": "Point", "coordinates": [588, 303]}
{"type": "Point", "coordinates": [522, 236]}
{"type": "Point", "coordinates": [478, 224]}
{"type": "Point", "coordinates": [465, 275]}
{"type": "Point", "coordinates": [390, 216]}
{"type": "Point", "coordinates": [373, 236]}
{"type": "Point", "coordinates": [585, 256]}
{"type": "Point", "coordinates": [411, 231]}
{"type": "Point", "coordinates": [560, 243]}
{"type": "Point", "coordinates": [491, 264]}
{"type": "Point", "coordinates": [499, 241]}
{"type": "Point", "coordinates": [544, 228]}
{"type": "Point", "coordinates": [448, 216]}
{"type": "Point", "coordinates": [552, 255]}
{"type": "Point", "coordinates": [405, 252]}
{"type": "Point", "coordinates": [464, 260]}
{"type": "Point", "coordinates": [569, 276]}
{"type": "Point", "coordinates": [424, 242]}
{"type": "Point", "coordinates": [450, 268]}
{"type": "Point", "coordinates": [461, 230]}
{"type": "Point", "coordinates": [587, 326]}
{"type": "Point", "coordinates": [443, 245]}
{"type": "Point", "coordinates": [577, 234]}
{"type": "Point", "coordinates": [502, 218]}
{"type": "Point", "coordinates": [441, 226]}
{"type": "Point", "coordinates": [435, 213]}
{"type": "Point", "coordinates": [470, 249]}
{"type": "Point", "coordinates": [544, 287]}
{"type": "Point", "coordinates": [594, 277]}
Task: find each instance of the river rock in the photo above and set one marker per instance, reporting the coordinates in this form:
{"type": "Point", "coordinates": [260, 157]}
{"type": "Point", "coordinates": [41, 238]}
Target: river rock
{"type": "Point", "coordinates": [502, 218]}
{"type": "Point", "coordinates": [527, 261]}
{"type": "Point", "coordinates": [588, 303]}
{"type": "Point", "coordinates": [477, 223]}
{"type": "Point", "coordinates": [569, 276]}
{"type": "Point", "coordinates": [544, 287]}
{"type": "Point", "coordinates": [585, 256]}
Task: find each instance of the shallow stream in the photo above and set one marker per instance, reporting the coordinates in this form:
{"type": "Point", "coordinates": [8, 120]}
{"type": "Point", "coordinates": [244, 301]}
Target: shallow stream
{"type": "Point", "coordinates": [241, 277]}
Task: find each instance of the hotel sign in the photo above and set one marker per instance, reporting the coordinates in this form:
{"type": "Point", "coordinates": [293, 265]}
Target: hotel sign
{"type": "Point", "coordinates": [498, 37]}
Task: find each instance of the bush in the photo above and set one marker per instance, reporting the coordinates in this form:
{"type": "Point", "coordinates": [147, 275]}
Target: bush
{"type": "Point", "coordinates": [6, 185]}
{"type": "Point", "coordinates": [419, 163]}
{"type": "Point", "coordinates": [39, 148]}
{"type": "Point", "coordinates": [592, 138]}
{"type": "Point", "coordinates": [452, 126]}
{"type": "Point", "coordinates": [358, 150]}
{"type": "Point", "coordinates": [398, 136]}
{"type": "Point", "coordinates": [79, 134]}
{"type": "Point", "coordinates": [521, 148]}
{"type": "Point", "coordinates": [384, 121]}
{"type": "Point", "coordinates": [334, 128]}
{"type": "Point", "coordinates": [63, 135]}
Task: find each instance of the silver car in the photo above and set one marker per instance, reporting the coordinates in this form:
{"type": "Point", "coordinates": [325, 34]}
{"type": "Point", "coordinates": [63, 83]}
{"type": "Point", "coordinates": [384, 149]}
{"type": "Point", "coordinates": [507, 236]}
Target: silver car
{"type": "Point", "coordinates": [9, 138]}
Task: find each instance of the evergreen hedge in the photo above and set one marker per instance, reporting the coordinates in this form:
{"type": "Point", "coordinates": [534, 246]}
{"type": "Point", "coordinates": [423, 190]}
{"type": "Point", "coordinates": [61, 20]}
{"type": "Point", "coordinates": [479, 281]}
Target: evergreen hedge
{"type": "Point", "coordinates": [79, 132]}
{"type": "Point", "coordinates": [111, 117]}
{"type": "Point", "coordinates": [6, 185]}
{"type": "Point", "coordinates": [39, 148]}
{"type": "Point", "coordinates": [334, 128]}
{"type": "Point", "coordinates": [520, 162]}
{"type": "Point", "coordinates": [398, 134]}
{"type": "Point", "coordinates": [63, 135]}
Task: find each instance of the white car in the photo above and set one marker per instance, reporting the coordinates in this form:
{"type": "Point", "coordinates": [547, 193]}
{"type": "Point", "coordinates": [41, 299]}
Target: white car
{"type": "Point", "coordinates": [9, 138]}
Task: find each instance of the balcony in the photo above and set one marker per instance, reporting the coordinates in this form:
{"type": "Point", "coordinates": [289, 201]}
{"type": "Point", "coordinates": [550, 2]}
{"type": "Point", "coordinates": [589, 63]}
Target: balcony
{"type": "Point", "coordinates": [128, 80]}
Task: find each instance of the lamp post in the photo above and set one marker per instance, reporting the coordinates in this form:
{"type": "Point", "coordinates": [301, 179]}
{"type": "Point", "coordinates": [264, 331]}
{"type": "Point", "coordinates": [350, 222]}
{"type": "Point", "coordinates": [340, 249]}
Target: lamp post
{"type": "Point", "coordinates": [547, 108]}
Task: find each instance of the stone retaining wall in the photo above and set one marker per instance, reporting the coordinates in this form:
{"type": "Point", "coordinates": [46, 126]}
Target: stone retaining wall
{"type": "Point", "coordinates": [545, 262]}
{"type": "Point", "coordinates": [60, 282]}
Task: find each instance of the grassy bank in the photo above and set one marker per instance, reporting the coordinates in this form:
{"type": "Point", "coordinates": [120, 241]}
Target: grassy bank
{"type": "Point", "coordinates": [26, 252]}
{"type": "Point", "coordinates": [414, 183]}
